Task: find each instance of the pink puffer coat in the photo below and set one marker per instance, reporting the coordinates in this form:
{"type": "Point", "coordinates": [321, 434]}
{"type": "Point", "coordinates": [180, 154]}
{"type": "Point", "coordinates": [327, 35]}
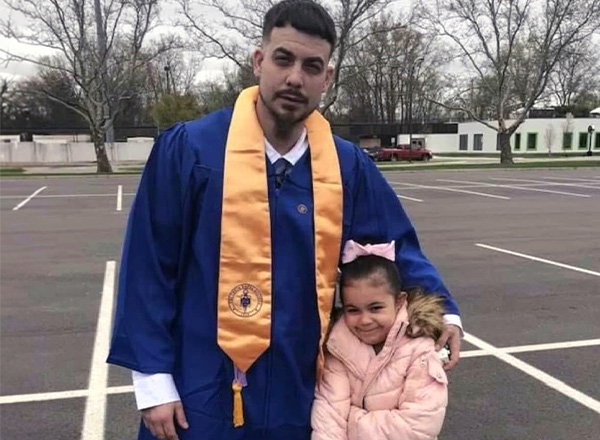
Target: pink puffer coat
{"type": "Point", "coordinates": [399, 394]}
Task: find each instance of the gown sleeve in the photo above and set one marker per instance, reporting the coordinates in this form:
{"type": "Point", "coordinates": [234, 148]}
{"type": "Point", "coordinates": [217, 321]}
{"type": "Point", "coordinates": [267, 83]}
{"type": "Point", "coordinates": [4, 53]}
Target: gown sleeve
{"type": "Point", "coordinates": [156, 237]}
{"type": "Point", "coordinates": [380, 217]}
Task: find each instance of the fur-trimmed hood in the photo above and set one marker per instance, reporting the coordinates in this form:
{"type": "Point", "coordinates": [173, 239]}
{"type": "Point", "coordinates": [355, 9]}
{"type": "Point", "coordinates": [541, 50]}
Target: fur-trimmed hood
{"type": "Point", "coordinates": [421, 316]}
{"type": "Point", "coordinates": [425, 315]}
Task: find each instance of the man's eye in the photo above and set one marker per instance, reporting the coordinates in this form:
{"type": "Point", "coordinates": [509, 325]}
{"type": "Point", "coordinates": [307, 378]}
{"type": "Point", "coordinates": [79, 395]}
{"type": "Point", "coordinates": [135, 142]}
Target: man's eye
{"type": "Point", "coordinates": [282, 60]}
{"type": "Point", "coordinates": [313, 68]}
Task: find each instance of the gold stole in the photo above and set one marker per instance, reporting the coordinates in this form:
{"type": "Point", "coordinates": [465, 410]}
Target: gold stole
{"type": "Point", "coordinates": [244, 304]}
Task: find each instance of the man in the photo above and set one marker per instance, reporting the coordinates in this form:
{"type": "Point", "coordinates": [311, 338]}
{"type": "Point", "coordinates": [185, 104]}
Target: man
{"type": "Point", "coordinates": [230, 257]}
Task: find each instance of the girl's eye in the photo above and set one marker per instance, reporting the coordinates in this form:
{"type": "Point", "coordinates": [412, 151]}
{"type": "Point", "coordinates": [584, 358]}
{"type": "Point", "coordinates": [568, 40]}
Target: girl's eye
{"type": "Point", "coordinates": [352, 311]}
{"type": "Point", "coordinates": [376, 308]}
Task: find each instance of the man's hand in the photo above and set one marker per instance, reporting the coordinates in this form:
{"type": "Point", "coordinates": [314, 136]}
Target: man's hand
{"type": "Point", "coordinates": [451, 335]}
{"type": "Point", "coordinates": [160, 420]}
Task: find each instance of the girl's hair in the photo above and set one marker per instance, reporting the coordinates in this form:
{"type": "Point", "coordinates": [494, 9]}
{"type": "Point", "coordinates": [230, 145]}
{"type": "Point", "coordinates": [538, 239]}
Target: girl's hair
{"type": "Point", "coordinates": [425, 310]}
{"type": "Point", "coordinates": [380, 269]}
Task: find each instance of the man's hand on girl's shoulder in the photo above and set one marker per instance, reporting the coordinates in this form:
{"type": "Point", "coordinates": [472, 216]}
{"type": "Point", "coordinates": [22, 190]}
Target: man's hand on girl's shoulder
{"type": "Point", "coordinates": [451, 335]}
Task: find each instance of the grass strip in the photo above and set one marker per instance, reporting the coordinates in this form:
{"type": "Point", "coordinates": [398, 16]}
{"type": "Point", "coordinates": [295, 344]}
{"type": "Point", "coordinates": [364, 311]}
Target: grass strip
{"type": "Point", "coordinates": [522, 165]}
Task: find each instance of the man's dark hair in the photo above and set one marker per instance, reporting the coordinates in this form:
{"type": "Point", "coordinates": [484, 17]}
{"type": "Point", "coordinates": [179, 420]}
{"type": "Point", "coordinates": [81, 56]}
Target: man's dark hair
{"type": "Point", "coordinates": [303, 15]}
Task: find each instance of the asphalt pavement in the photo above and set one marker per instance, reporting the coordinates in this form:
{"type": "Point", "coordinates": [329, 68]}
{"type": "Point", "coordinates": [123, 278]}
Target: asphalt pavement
{"type": "Point", "coordinates": [520, 251]}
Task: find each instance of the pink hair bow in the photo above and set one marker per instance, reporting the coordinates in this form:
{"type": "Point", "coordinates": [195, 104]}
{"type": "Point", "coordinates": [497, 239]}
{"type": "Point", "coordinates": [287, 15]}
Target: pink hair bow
{"type": "Point", "coordinates": [353, 250]}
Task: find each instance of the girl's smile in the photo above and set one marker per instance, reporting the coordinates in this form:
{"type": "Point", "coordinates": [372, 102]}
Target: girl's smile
{"type": "Point", "coordinates": [370, 309]}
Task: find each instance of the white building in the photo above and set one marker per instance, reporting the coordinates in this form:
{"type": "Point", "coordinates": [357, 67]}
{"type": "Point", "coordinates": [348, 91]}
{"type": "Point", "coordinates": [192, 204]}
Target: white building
{"type": "Point", "coordinates": [568, 135]}
{"type": "Point", "coordinates": [541, 136]}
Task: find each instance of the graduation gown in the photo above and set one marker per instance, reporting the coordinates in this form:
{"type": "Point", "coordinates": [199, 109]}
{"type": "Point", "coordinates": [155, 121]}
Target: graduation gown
{"type": "Point", "coordinates": [166, 318]}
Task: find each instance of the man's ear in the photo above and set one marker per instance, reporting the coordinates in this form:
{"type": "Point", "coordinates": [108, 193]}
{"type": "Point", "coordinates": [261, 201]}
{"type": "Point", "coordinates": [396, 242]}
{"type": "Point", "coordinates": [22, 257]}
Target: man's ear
{"type": "Point", "coordinates": [257, 58]}
{"type": "Point", "coordinates": [328, 77]}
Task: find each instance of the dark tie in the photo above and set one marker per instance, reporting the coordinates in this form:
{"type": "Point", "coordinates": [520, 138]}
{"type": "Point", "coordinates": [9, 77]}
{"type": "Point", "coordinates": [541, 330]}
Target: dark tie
{"type": "Point", "coordinates": [282, 168]}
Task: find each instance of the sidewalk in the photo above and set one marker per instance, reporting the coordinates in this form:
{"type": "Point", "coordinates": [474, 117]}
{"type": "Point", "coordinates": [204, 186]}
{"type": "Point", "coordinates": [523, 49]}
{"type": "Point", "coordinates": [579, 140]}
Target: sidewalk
{"type": "Point", "coordinates": [77, 168]}
{"type": "Point", "coordinates": [471, 160]}
{"type": "Point", "coordinates": [136, 167]}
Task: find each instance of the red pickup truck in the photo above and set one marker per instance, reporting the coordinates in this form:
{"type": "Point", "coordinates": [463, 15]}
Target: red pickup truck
{"type": "Point", "coordinates": [402, 152]}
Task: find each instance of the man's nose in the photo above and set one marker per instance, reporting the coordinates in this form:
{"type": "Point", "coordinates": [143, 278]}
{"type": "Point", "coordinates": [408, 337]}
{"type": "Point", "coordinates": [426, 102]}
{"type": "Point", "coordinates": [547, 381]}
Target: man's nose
{"type": "Point", "coordinates": [294, 78]}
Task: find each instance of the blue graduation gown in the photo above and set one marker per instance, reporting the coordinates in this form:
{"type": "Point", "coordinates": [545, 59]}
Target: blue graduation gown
{"type": "Point", "coordinates": [166, 319]}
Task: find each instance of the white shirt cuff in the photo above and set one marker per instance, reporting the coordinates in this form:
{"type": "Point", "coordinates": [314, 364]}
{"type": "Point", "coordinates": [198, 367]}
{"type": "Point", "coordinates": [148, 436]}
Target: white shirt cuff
{"type": "Point", "coordinates": [454, 320]}
{"type": "Point", "coordinates": [153, 389]}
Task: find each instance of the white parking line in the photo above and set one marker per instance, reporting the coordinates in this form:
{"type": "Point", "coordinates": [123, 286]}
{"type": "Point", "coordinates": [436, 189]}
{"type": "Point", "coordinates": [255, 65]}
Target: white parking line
{"type": "Point", "coordinates": [536, 373]}
{"type": "Point", "coordinates": [444, 188]}
{"type": "Point", "coordinates": [409, 198]}
{"type": "Point", "coordinates": [474, 185]}
{"type": "Point", "coordinates": [124, 389]}
{"type": "Point", "coordinates": [541, 260]}
{"type": "Point", "coordinates": [67, 196]}
{"type": "Point", "coordinates": [60, 395]}
{"type": "Point", "coordinates": [20, 205]}
{"type": "Point", "coordinates": [533, 347]}
{"type": "Point", "coordinates": [40, 397]}
{"type": "Point", "coordinates": [521, 187]}
{"type": "Point", "coordinates": [589, 180]}
{"type": "Point", "coordinates": [120, 198]}
{"type": "Point", "coordinates": [95, 408]}
{"type": "Point", "coordinates": [577, 185]}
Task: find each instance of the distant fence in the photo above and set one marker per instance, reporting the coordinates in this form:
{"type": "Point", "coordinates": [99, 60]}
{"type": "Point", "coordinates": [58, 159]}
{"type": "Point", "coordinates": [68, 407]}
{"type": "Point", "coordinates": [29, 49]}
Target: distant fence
{"type": "Point", "coordinates": [70, 152]}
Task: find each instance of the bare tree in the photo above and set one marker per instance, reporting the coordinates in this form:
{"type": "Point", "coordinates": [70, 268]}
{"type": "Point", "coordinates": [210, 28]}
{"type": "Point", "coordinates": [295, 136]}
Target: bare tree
{"type": "Point", "coordinates": [578, 71]}
{"type": "Point", "coordinates": [229, 30]}
{"type": "Point", "coordinates": [4, 90]}
{"type": "Point", "coordinates": [98, 46]}
{"type": "Point", "coordinates": [549, 138]}
{"type": "Point", "coordinates": [171, 73]}
{"type": "Point", "coordinates": [388, 74]}
{"type": "Point", "coordinates": [510, 47]}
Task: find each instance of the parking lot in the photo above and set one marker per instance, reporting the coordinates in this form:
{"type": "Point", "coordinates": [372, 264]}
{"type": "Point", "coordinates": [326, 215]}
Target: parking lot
{"type": "Point", "coordinates": [520, 250]}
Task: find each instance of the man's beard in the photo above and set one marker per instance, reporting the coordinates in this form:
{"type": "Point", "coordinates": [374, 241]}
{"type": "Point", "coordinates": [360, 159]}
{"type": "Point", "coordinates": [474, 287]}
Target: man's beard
{"type": "Point", "coordinates": [284, 123]}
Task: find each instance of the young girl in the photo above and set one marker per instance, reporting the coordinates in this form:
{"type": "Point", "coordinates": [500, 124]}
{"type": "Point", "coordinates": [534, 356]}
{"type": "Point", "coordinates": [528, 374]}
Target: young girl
{"type": "Point", "coordinates": [383, 378]}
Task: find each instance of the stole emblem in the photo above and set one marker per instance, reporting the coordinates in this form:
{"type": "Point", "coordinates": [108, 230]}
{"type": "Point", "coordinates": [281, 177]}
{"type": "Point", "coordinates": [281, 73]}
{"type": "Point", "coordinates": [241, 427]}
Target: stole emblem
{"type": "Point", "coordinates": [245, 300]}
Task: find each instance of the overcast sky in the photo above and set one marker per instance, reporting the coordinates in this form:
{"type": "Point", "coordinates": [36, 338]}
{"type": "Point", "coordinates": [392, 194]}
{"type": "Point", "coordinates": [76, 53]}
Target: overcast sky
{"type": "Point", "coordinates": [210, 68]}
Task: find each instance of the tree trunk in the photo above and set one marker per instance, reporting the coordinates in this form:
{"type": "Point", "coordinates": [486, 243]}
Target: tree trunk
{"type": "Point", "coordinates": [101, 156]}
{"type": "Point", "coordinates": [503, 140]}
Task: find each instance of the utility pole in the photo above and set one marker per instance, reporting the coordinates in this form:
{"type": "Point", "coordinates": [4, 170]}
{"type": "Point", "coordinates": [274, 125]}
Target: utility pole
{"type": "Point", "coordinates": [3, 90]}
{"type": "Point", "coordinates": [411, 80]}
{"type": "Point", "coordinates": [167, 71]}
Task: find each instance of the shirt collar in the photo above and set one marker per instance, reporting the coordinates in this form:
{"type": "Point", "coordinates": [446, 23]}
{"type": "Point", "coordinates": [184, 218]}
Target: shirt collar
{"type": "Point", "coordinates": [292, 156]}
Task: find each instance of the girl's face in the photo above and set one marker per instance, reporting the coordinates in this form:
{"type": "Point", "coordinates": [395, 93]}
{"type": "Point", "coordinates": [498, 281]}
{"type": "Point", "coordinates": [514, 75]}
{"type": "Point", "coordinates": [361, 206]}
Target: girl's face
{"type": "Point", "coordinates": [370, 309]}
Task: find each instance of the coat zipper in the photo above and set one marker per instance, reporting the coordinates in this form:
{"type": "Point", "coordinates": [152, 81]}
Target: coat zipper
{"type": "Point", "coordinates": [374, 375]}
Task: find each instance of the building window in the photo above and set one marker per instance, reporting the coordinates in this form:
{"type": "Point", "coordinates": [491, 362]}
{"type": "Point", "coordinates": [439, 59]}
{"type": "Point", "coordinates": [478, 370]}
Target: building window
{"type": "Point", "coordinates": [463, 142]}
{"type": "Point", "coordinates": [517, 141]}
{"type": "Point", "coordinates": [597, 143]}
{"type": "Point", "coordinates": [477, 142]}
{"type": "Point", "coordinates": [567, 141]}
{"type": "Point", "coordinates": [531, 141]}
{"type": "Point", "coordinates": [583, 140]}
